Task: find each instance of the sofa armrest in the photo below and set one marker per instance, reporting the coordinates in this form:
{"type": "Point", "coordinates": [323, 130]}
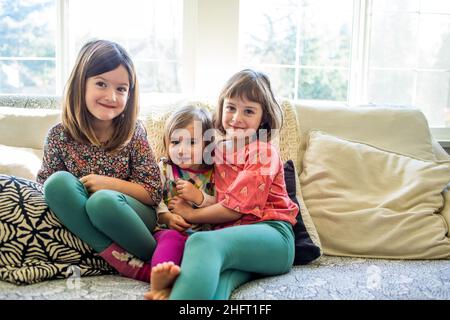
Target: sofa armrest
{"type": "Point", "coordinates": [438, 151]}
{"type": "Point", "coordinates": [26, 128]}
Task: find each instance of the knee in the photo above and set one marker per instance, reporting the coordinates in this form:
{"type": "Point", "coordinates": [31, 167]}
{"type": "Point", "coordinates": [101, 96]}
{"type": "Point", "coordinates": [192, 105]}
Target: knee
{"type": "Point", "coordinates": [58, 183]}
{"type": "Point", "coordinates": [200, 241]}
{"type": "Point", "coordinates": [100, 205]}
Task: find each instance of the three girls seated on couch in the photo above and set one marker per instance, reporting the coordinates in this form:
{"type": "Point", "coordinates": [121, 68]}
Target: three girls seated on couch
{"type": "Point", "coordinates": [102, 181]}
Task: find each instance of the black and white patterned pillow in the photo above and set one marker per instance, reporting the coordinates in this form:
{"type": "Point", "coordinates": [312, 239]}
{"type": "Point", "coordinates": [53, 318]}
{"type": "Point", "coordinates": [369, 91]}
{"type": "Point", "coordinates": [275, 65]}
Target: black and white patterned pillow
{"type": "Point", "coordinates": [34, 245]}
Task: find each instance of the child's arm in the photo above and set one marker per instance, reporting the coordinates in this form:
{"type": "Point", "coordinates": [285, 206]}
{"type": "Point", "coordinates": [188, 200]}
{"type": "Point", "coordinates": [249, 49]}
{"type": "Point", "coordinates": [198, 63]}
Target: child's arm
{"type": "Point", "coordinates": [51, 161]}
{"type": "Point", "coordinates": [208, 200]}
{"type": "Point", "coordinates": [214, 214]}
{"type": "Point", "coordinates": [173, 221]}
{"type": "Point", "coordinates": [165, 217]}
{"type": "Point", "coordinates": [189, 192]}
{"type": "Point", "coordinates": [95, 182]}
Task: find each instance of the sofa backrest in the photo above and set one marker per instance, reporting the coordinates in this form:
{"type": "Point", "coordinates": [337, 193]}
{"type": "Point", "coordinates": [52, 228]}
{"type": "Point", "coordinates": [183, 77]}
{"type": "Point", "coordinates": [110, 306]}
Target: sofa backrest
{"type": "Point", "coordinates": [402, 130]}
{"type": "Point", "coordinates": [395, 129]}
{"type": "Point", "coordinates": [26, 128]}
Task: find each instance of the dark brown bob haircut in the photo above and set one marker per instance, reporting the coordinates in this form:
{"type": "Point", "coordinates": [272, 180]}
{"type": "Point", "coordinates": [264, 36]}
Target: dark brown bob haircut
{"type": "Point", "coordinates": [253, 86]}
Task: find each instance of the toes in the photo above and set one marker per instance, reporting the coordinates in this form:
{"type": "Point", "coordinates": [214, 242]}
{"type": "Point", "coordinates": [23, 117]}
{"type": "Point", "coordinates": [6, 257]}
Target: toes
{"type": "Point", "coordinates": [174, 270]}
{"type": "Point", "coordinates": [148, 295]}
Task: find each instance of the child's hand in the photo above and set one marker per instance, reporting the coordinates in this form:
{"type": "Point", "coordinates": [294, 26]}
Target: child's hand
{"type": "Point", "coordinates": [95, 182]}
{"type": "Point", "coordinates": [180, 207]}
{"type": "Point", "coordinates": [176, 222]}
{"type": "Point", "coordinates": [189, 192]}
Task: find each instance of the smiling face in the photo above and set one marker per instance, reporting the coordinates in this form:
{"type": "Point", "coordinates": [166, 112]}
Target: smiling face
{"type": "Point", "coordinates": [186, 147]}
{"type": "Point", "coordinates": [241, 118]}
{"type": "Point", "coordinates": [107, 94]}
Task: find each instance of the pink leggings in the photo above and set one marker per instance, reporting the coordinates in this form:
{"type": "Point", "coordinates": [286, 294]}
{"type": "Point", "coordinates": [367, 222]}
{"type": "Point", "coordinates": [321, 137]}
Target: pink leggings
{"type": "Point", "coordinates": [169, 247]}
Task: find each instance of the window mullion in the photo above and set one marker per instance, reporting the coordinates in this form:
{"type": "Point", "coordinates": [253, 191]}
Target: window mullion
{"type": "Point", "coordinates": [359, 62]}
{"type": "Point", "coordinates": [61, 45]}
{"type": "Point", "coordinates": [190, 25]}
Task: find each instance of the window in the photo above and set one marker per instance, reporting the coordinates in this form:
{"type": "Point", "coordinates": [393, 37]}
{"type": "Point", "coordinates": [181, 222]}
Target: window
{"type": "Point", "coordinates": [149, 30]}
{"type": "Point", "coordinates": [346, 52]}
{"type": "Point", "coordinates": [409, 60]}
{"type": "Point", "coordinates": [303, 45]}
{"type": "Point", "coordinates": [27, 47]}
{"type": "Point", "coordinates": [393, 52]}
{"type": "Point", "coordinates": [39, 41]}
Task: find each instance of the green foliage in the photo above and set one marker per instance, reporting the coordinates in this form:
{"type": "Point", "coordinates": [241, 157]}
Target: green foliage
{"type": "Point", "coordinates": [277, 42]}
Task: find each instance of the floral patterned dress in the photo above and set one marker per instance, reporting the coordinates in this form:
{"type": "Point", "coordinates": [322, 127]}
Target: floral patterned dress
{"type": "Point", "coordinates": [134, 163]}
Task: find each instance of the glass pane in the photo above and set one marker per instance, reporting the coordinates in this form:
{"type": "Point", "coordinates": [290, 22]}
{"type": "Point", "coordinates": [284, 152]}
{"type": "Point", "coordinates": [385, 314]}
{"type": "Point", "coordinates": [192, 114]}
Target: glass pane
{"type": "Point", "coordinates": [325, 33]}
{"type": "Point", "coordinates": [27, 28]}
{"type": "Point", "coordinates": [151, 31]}
{"type": "Point", "coordinates": [396, 5]}
{"type": "Point", "coordinates": [436, 6]}
{"type": "Point", "coordinates": [282, 81]}
{"type": "Point", "coordinates": [158, 76]}
{"type": "Point", "coordinates": [433, 97]}
{"type": "Point", "coordinates": [323, 84]}
{"type": "Point", "coordinates": [267, 32]}
{"type": "Point", "coordinates": [434, 41]}
{"type": "Point", "coordinates": [27, 77]}
{"type": "Point", "coordinates": [299, 33]}
{"type": "Point", "coordinates": [394, 40]}
{"type": "Point", "coordinates": [391, 87]}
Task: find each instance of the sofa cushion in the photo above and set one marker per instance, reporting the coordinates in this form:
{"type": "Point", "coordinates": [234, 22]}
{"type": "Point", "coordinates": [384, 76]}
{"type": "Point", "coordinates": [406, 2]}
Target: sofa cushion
{"type": "Point", "coordinates": [397, 129]}
{"type": "Point", "coordinates": [26, 128]}
{"type": "Point", "coordinates": [20, 162]}
{"type": "Point", "coordinates": [34, 246]}
{"type": "Point", "coordinates": [307, 242]}
{"type": "Point", "coordinates": [288, 141]}
{"type": "Point", "coordinates": [369, 202]}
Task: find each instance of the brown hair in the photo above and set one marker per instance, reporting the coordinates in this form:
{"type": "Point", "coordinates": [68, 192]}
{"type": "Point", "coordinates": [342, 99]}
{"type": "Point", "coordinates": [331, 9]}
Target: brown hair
{"type": "Point", "coordinates": [253, 86]}
{"type": "Point", "coordinates": [97, 57]}
{"type": "Point", "coordinates": [181, 118]}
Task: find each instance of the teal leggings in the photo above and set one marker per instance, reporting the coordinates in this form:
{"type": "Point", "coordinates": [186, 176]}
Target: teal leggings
{"type": "Point", "coordinates": [217, 262]}
{"type": "Point", "coordinates": [103, 218]}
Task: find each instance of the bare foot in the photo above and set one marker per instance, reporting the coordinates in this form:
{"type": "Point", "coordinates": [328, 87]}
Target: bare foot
{"type": "Point", "coordinates": [158, 295]}
{"type": "Point", "coordinates": [162, 278]}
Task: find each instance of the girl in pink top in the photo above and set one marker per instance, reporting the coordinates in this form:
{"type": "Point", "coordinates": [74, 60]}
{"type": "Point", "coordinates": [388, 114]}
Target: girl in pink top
{"type": "Point", "coordinates": [253, 214]}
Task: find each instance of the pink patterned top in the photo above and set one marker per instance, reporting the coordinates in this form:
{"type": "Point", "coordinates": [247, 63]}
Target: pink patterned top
{"type": "Point", "coordinates": [251, 182]}
{"type": "Point", "coordinates": [134, 163]}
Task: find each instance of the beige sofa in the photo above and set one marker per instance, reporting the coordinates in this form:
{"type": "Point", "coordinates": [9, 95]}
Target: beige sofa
{"type": "Point", "coordinates": [391, 144]}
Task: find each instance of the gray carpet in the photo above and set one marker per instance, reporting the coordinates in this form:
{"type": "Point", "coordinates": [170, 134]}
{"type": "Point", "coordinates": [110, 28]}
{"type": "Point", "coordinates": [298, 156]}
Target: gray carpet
{"type": "Point", "coordinates": [328, 278]}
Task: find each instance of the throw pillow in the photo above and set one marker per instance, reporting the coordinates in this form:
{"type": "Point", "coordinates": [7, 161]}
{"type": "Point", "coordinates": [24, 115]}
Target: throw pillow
{"type": "Point", "coordinates": [34, 246]}
{"type": "Point", "coordinates": [26, 128]}
{"type": "Point", "coordinates": [368, 202]}
{"type": "Point", "coordinates": [20, 162]}
{"type": "Point", "coordinates": [396, 129]}
{"type": "Point", "coordinates": [307, 243]}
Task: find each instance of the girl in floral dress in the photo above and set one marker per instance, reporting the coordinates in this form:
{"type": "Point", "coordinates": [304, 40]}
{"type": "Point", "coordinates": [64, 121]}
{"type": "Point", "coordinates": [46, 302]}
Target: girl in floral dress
{"type": "Point", "coordinates": [100, 177]}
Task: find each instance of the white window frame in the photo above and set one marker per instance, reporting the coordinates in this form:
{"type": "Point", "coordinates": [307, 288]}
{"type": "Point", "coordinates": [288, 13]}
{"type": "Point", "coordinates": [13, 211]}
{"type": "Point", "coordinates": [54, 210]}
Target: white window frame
{"type": "Point", "coordinates": [211, 50]}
